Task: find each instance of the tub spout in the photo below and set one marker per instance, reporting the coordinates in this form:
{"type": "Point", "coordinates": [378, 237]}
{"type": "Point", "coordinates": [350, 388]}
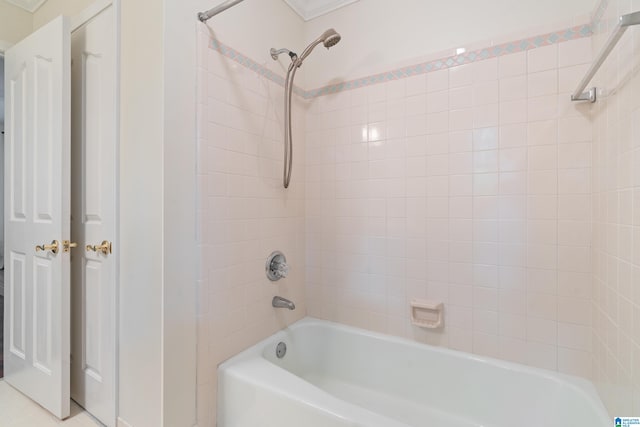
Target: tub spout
{"type": "Point", "coordinates": [279, 302]}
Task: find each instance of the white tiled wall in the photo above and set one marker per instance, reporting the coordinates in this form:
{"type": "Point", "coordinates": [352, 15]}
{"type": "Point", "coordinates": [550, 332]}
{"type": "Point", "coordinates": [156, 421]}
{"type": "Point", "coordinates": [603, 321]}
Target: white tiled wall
{"type": "Point", "coordinates": [469, 185]}
{"type": "Point", "coordinates": [472, 185]}
{"type": "Point", "coordinates": [616, 208]}
{"type": "Point", "coordinates": [245, 214]}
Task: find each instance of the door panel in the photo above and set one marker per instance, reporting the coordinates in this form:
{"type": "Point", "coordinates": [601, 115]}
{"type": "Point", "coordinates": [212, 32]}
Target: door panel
{"type": "Point", "coordinates": [37, 140]}
{"type": "Point", "coordinates": [17, 305]}
{"type": "Point", "coordinates": [93, 218]}
{"type": "Point", "coordinates": [93, 295]}
{"type": "Point", "coordinates": [93, 98]}
{"type": "Point", "coordinates": [15, 141]}
{"type": "Point", "coordinates": [42, 314]}
{"type": "Point", "coordinates": [43, 141]}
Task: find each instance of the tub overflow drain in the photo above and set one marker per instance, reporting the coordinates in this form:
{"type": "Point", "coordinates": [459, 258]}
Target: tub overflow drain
{"type": "Point", "coordinates": [281, 350]}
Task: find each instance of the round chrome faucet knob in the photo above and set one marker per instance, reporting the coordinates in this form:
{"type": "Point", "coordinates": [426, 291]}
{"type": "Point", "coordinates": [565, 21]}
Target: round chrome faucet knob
{"type": "Point", "coordinates": [276, 266]}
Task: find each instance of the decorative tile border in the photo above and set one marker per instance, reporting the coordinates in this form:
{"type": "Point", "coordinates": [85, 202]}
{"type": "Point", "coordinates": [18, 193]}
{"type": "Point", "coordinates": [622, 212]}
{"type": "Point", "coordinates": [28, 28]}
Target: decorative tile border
{"type": "Point", "coordinates": [456, 60]}
{"type": "Point", "coordinates": [522, 45]}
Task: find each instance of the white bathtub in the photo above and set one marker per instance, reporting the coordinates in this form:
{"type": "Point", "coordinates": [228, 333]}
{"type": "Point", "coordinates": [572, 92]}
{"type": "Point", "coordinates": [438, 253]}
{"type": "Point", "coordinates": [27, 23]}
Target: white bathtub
{"type": "Point", "coordinates": [334, 375]}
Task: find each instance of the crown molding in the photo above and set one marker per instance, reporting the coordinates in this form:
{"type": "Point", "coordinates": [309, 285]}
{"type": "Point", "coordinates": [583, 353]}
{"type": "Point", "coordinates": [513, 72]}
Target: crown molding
{"type": "Point", "coordinates": [310, 9]}
{"type": "Point", "coordinates": [28, 5]}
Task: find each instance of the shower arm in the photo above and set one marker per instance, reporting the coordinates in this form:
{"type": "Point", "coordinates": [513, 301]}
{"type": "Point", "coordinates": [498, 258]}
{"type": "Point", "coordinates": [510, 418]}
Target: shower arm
{"type": "Point", "coordinates": [297, 60]}
{"type": "Point", "coordinates": [275, 53]}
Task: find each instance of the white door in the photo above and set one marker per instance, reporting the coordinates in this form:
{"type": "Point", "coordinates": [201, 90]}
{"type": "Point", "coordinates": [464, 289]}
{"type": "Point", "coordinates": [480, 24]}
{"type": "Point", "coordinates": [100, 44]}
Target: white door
{"type": "Point", "coordinates": [37, 210]}
{"type": "Point", "coordinates": [93, 216]}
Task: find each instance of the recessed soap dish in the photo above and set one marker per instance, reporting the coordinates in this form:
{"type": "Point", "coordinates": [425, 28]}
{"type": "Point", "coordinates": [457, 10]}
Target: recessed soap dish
{"type": "Point", "coordinates": [426, 313]}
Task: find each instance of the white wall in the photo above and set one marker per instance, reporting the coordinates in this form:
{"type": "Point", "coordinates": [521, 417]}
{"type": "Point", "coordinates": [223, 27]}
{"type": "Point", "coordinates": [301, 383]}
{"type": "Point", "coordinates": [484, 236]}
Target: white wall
{"type": "Point", "coordinates": [15, 23]}
{"type": "Point", "coordinates": [181, 258]}
{"type": "Point", "coordinates": [379, 33]}
{"type": "Point", "coordinates": [141, 218]}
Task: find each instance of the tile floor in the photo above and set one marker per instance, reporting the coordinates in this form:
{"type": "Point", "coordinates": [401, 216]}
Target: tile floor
{"type": "Point", "coordinates": [16, 410]}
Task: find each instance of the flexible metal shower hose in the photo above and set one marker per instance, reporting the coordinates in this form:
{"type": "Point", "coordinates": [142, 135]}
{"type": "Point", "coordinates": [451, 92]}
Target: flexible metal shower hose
{"type": "Point", "coordinates": [288, 134]}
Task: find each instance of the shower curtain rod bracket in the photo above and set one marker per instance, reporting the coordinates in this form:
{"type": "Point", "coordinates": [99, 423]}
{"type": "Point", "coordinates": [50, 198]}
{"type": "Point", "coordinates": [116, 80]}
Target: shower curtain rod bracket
{"type": "Point", "coordinates": [589, 95]}
{"type": "Point", "coordinates": [205, 16]}
{"type": "Point", "coordinates": [624, 22]}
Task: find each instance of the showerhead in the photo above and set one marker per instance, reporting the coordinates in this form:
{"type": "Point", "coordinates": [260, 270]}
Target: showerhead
{"type": "Point", "coordinates": [329, 38]}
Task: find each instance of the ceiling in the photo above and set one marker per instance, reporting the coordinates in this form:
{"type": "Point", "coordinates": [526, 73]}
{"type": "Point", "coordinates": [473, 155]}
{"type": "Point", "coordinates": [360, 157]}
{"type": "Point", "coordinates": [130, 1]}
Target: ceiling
{"type": "Point", "coordinates": [28, 5]}
{"type": "Point", "coordinates": [309, 9]}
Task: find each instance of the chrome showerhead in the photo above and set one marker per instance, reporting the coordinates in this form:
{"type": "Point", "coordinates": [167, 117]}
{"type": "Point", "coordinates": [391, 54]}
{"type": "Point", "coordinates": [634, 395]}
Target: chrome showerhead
{"type": "Point", "coordinates": [329, 38]}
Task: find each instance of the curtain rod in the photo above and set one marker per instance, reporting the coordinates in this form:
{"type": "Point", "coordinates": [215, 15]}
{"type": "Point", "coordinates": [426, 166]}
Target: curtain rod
{"type": "Point", "coordinates": [624, 22]}
{"type": "Point", "coordinates": [205, 16]}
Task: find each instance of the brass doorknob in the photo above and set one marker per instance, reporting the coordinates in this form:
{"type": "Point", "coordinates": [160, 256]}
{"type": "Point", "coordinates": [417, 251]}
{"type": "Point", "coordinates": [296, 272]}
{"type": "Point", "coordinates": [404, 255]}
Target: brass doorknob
{"type": "Point", "coordinates": [104, 247]}
{"type": "Point", "coordinates": [53, 247]}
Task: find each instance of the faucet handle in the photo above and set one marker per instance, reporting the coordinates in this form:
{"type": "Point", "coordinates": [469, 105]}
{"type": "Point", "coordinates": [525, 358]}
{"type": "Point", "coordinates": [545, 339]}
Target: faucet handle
{"type": "Point", "coordinates": [281, 269]}
{"type": "Point", "coordinates": [276, 266]}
